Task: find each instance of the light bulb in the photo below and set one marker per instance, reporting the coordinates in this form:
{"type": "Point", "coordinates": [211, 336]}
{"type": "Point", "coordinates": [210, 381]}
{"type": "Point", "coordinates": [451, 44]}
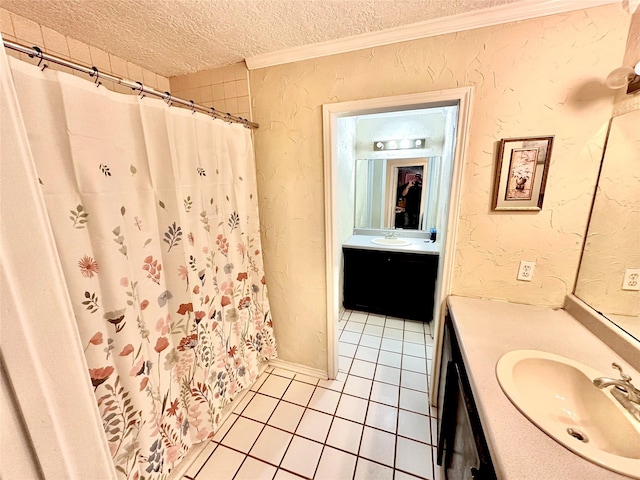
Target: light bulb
{"type": "Point", "coordinates": [637, 68]}
{"type": "Point", "coordinates": [620, 77]}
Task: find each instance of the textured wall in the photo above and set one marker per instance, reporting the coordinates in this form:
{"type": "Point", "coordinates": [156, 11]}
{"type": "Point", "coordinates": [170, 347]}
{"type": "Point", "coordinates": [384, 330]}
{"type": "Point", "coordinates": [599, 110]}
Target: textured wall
{"type": "Point", "coordinates": [226, 89]}
{"type": "Point", "coordinates": [536, 77]}
{"type": "Point", "coordinates": [22, 30]}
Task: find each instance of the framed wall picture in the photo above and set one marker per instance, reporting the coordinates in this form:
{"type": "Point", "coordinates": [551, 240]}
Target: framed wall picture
{"type": "Point", "coordinates": [521, 173]}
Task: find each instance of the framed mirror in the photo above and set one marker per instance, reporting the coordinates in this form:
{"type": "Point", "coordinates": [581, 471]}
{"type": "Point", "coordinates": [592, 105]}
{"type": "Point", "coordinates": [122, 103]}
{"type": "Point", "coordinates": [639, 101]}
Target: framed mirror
{"type": "Point", "coordinates": [607, 279]}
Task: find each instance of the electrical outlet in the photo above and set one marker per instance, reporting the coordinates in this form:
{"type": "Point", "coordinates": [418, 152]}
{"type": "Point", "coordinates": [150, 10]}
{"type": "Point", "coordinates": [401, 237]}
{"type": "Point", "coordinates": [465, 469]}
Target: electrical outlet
{"type": "Point", "coordinates": [525, 272]}
{"type": "Point", "coordinates": [631, 280]}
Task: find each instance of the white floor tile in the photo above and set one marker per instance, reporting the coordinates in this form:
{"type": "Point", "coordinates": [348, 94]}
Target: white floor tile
{"type": "Point", "coordinates": [350, 337]}
{"type": "Point", "coordinates": [335, 464]}
{"type": "Point", "coordinates": [414, 457]}
{"type": "Point", "coordinates": [286, 416]}
{"type": "Point", "coordinates": [386, 374]}
{"type": "Point", "coordinates": [260, 408]}
{"type": "Point", "coordinates": [336, 384]}
{"type": "Point", "coordinates": [347, 349]}
{"type": "Point", "coordinates": [300, 377]}
{"type": "Point", "coordinates": [222, 465]}
{"type": "Point", "coordinates": [412, 380]}
{"type": "Point", "coordinates": [414, 401]}
{"type": "Point", "coordinates": [414, 337]}
{"type": "Point", "coordinates": [390, 359]}
{"type": "Point", "coordinates": [392, 333]}
{"type": "Point", "coordinates": [414, 426]}
{"type": "Point", "coordinates": [375, 330]}
{"type": "Point", "coordinates": [414, 326]}
{"type": "Point", "coordinates": [352, 408]}
{"type": "Point", "coordinates": [374, 319]}
{"type": "Point", "coordinates": [259, 381]}
{"type": "Point", "coordinates": [398, 475]}
{"type": "Point", "coordinates": [385, 393]}
{"type": "Point", "coordinates": [243, 402]}
{"type": "Point", "coordinates": [281, 372]}
{"type": "Point", "coordinates": [358, 317]}
{"type": "Point", "coordinates": [382, 416]}
{"type": "Point", "coordinates": [434, 431]}
{"type": "Point", "coordinates": [345, 435]}
{"type": "Point", "coordinates": [314, 425]}
{"type": "Point", "coordinates": [201, 459]}
{"type": "Point", "coordinates": [366, 470]}
{"type": "Point", "coordinates": [224, 428]}
{"type": "Point", "coordinates": [354, 327]}
{"type": "Point", "coordinates": [344, 364]}
{"type": "Point", "coordinates": [299, 393]}
{"type": "Point", "coordinates": [360, 368]}
{"type": "Point", "coordinates": [358, 387]}
{"type": "Point", "coordinates": [253, 469]}
{"type": "Point", "coordinates": [341, 325]}
{"type": "Point", "coordinates": [242, 435]}
{"type": "Point", "coordinates": [275, 386]}
{"type": "Point", "coordinates": [396, 323]}
{"type": "Point", "coordinates": [414, 364]}
{"type": "Point", "coordinates": [370, 341]}
{"type": "Point", "coordinates": [271, 445]}
{"type": "Point", "coordinates": [302, 456]}
{"type": "Point", "coordinates": [324, 400]}
{"type": "Point", "coordinates": [391, 345]}
{"type": "Point", "coordinates": [414, 349]}
{"type": "Point", "coordinates": [367, 354]}
{"type": "Point", "coordinates": [284, 475]}
{"type": "Point", "coordinates": [378, 446]}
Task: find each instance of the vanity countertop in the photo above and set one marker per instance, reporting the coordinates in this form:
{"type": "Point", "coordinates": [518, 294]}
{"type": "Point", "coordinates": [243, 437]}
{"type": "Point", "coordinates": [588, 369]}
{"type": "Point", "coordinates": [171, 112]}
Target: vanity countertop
{"type": "Point", "coordinates": [487, 329]}
{"type": "Point", "coordinates": [418, 245]}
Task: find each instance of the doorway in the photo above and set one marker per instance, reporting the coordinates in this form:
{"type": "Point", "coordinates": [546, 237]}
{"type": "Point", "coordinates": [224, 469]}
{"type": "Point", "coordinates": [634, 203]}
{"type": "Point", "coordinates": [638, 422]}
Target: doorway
{"type": "Point", "coordinates": [335, 231]}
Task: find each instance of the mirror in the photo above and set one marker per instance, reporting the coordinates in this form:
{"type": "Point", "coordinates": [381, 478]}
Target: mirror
{"type": "Point", "coordinates": [609, 275]}
{"type": "Point", "coordinates": [394, 193]}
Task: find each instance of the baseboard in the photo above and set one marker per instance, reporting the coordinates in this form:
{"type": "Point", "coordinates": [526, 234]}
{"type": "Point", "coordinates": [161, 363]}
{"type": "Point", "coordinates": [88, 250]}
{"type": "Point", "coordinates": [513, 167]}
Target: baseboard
{"type": "Point", "coordinates": [296, 367]}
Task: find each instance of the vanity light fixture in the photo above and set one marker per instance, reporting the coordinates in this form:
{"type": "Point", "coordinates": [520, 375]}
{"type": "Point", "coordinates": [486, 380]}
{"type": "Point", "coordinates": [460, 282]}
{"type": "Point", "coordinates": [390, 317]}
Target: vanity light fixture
{"type": "Point", "coordinates": [400, 144]}
{"type": "Point", "coordinates": [625, 77]}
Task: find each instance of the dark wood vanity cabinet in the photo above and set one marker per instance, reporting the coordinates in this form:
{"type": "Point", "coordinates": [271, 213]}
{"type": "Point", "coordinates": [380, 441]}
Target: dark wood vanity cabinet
{"type": "Point", "coordinates": [462, 447]}
{"type": "Point", "coordinates": [390, 283]}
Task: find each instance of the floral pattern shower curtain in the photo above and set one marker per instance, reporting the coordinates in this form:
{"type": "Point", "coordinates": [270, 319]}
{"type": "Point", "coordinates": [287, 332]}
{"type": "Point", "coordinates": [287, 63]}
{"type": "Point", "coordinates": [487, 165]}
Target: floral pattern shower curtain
{"type": "Point", "coordinates": [154, 213]}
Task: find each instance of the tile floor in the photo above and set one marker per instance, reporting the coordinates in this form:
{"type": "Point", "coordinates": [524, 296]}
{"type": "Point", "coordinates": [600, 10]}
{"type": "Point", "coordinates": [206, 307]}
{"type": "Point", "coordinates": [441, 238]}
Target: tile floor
{"type": "Point", "coordinates": [372, 422]}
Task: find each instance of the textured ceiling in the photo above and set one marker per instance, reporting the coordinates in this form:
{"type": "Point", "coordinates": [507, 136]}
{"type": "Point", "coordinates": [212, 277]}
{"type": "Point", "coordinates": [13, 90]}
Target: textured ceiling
{"type": "Point", "coordinates": [173, 37]}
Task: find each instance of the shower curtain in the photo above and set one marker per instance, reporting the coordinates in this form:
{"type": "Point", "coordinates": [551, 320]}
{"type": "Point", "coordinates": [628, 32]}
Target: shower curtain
{"type": "Point", "coordinates": [155, 219]}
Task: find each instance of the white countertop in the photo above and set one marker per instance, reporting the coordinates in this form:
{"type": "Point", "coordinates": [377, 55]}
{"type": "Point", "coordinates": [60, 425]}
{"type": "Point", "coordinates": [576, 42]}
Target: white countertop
{"type": "Point", "coordinates": [418, 245]}
{"type": "Point", "coordinates": [486, 330]}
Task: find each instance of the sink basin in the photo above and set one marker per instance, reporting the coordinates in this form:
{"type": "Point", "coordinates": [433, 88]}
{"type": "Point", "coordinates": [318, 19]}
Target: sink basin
{"type": "Point", "coordinates": [398, 242]}
{"type": "Point", "coordinates": [558, 396]}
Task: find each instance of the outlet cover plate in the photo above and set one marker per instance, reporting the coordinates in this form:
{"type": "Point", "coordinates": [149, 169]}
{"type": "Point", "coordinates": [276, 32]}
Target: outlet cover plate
{"type": "Point", "coordinates": [631, 280]}
{"type": "Point", "coordinates": [525, 271]}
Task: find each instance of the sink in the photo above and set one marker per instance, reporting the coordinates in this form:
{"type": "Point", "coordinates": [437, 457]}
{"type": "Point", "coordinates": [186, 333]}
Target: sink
{"type": "Point", "coordinates": [557, 394]}
{"type": "Point", "coordinates": [398, 242]}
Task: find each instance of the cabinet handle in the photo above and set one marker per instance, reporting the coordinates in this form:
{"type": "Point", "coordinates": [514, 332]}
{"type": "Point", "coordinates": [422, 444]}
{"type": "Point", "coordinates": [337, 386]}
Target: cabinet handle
{"type": "Point", "coordinates": [475, 474]}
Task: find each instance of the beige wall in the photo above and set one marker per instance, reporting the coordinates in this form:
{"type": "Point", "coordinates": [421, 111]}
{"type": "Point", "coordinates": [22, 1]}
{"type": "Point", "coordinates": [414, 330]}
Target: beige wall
{"type": "Point", "coordinates": [21, 30]}
{"type": "Point", "coordinates": [226, 89]}
{"type": "Point", "coordinates": [536, 77]}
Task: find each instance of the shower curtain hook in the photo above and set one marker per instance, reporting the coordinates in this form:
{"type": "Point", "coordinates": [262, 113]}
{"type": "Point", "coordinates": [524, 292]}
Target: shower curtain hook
{"type": "Point", "coordinates": [213, 113]}
{"type": "Point", "coordinates": [140, 89]}
{"type": "Point", "coordinates": [168, 99]}
{"type": "Point", "coordinates": [96, 74]}
{"type": "Point", "coordinates": [39, 52]}
{"type": "Point", "coordinates": [246, 123]}
{"type": "Point", "coordinates": [193, 107]}
{"type": "Point", "coordinates": [229, 118]}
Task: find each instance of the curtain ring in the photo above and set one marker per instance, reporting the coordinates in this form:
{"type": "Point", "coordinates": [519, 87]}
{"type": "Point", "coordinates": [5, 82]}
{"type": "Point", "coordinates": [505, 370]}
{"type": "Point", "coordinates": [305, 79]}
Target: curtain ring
{"type": "Point", "coordinates": [39, 52]}
{"type": "Point", "coordinates": [168, 99]}
{"type": "Point", "coordinates": [96, 74]}
{"type": "Point", "coordinates": [213, 113]}
{"type": "Point", "coordinates": [140, 89]}
{"type": "Point", "coordinates": [193, 107]}
{"type": "Point", "coordinates": [229, 118]}
{"type": "Point", "coordinates": [246, 123]}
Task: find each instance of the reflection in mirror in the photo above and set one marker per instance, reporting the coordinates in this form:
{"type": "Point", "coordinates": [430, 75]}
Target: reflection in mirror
{"type": "Point", "coordinates": [611, 256]}
{"type": "Point", "coordinates": [381, 201]}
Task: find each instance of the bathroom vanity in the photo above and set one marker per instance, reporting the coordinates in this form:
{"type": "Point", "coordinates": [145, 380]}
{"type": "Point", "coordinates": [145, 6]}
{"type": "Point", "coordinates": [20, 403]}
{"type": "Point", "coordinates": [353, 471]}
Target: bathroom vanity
{"type": "Point", "coordinates": [398, 281]}
{"type": "Point", "coordinates": [489, 429]}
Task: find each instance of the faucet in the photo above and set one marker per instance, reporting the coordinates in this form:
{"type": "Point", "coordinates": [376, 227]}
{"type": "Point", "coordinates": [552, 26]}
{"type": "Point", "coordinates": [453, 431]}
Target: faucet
{"type": "Point", "coordinates": [391, 234]}
{"type": "Point", "coordinates": [623, 384]}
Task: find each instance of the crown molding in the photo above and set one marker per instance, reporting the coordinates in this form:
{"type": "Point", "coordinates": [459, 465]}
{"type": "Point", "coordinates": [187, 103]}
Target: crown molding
{"type": "Point", "coordinates": [513, 12]}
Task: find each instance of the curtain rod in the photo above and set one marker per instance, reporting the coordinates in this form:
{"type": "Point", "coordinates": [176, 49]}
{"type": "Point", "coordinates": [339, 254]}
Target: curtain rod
{"type": "Point", "coordinates": [36, 52]}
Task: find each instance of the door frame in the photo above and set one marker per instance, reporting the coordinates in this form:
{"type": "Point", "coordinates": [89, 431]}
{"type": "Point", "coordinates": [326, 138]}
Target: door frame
{"type": "Point", "coordinates": [333, 260]}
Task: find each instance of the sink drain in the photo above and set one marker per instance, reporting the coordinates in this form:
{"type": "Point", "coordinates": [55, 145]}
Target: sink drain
{"type": "Point", "coordinates": [577, 434]}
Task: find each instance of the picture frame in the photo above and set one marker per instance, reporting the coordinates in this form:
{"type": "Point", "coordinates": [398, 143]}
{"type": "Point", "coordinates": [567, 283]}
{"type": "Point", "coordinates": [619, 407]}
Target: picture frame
{"type": "Point", "coordinates": [521, 173]}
